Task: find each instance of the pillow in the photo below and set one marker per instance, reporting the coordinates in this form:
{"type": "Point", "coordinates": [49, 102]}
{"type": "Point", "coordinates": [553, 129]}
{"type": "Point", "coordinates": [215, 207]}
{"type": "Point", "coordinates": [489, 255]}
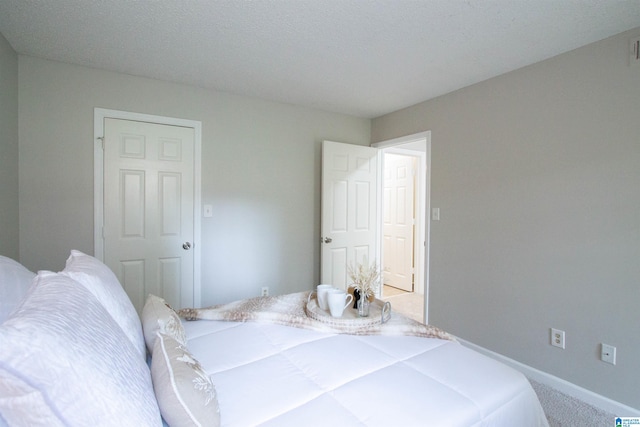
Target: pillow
{"type": "Point", "coordinates": [185, 394]}
{"type": "Point", "coordinates": [64, 356]}
{"type": "Point", "coordinates": [28, 405]}
{"type": "Point", "coordinates": [15, 280]}
{"type": "Point", "coordinates": [157, 315]}
{"type": "Point", "coordinates": [101, 282]}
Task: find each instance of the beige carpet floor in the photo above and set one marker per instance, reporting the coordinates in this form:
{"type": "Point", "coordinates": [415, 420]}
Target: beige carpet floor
{"type": "Point", "coordinates": [565, 411]}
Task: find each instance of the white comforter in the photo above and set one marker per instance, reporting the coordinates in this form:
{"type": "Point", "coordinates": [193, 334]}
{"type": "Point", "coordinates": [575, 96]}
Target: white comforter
{"type": "Point", "coordinates": [272, 375]}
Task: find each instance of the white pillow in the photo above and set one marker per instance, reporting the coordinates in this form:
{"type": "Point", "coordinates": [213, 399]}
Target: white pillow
{"type": "Point", "coordinates": [28, 405]}
{"type": "Point", "coordinates": [15, 280]}
{"type": "Point", "coordinates": [101, 282]}
{"type": "Point", "coordinates": [185, 393]}
{"type": "Point", "coordinates": [63, 345]}
{"type": "Point", "coordinates": [157, 315]}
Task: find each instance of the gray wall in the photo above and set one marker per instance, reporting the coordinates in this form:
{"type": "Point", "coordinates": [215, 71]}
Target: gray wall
{"type": "Point", "coordinates": [260, 162]}
{"type": "Point", "coordinates": [537, 176]}
{"type": "Point", "coordinates": [9, 244]}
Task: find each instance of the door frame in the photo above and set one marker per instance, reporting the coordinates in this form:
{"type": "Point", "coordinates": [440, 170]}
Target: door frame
{"type": "Point", "coordinates": [422, 222]}
{"type": "Point", "coordinates": [99, 114]}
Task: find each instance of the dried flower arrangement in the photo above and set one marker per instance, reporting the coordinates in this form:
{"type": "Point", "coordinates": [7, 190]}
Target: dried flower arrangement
{"type": "Point", "coordinates": [365, 278]}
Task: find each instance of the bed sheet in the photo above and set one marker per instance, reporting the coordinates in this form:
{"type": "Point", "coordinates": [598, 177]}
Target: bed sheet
{"type": "Point", "coordinates": [272, 375]}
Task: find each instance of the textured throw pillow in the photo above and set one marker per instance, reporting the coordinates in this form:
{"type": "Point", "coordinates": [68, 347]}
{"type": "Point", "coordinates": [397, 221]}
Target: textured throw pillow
{"type": "Point", "coordinates": [157, 315]}
{"type": "Point", "coordinates": [15, 280]}
{"type": "Point", "coordinates": [186, 396]}
{"type": "Point", "coordinates": [64, 356]}
{"type": "Point", "coordinates": [101, 282]}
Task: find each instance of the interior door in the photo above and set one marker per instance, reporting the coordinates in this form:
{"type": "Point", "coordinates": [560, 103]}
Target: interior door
{"type": "Point", "coordinates": [349, 209]}
{"type": "Point", "coordinates": [149, 209]}
{"type": "Point", "coordinates": [398, 221]}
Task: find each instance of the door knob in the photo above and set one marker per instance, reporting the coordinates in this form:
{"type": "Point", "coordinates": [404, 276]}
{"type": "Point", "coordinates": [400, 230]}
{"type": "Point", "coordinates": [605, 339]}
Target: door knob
{"type": "Point", "coordinates": [327, 240]}
{"type": "Point", "coordinates": [186, 246]}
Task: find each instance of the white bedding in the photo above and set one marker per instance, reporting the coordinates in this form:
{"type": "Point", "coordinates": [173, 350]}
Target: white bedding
{"type": "Point", "coordinates": [273, 375]}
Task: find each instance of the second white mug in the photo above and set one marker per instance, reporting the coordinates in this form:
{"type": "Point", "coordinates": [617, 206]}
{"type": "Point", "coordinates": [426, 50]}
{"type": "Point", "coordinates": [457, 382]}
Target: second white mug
{"type": "Point", "coordinates": [338, 300]}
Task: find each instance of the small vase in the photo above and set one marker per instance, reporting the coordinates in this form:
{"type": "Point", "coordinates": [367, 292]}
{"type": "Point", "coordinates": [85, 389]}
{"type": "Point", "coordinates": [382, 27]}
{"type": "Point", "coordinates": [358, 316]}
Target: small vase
{"type": "Point", "coordinates": [356, 298]}
{"type": "Point", "coordinates": [363, 306]}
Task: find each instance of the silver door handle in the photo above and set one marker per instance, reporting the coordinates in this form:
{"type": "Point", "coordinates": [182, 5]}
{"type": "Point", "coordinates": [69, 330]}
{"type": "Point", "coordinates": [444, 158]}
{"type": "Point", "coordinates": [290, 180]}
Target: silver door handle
{"type": "Point", "coordinates": [186, 246]}
{"type": "Point", "coordinates": [326, 240]}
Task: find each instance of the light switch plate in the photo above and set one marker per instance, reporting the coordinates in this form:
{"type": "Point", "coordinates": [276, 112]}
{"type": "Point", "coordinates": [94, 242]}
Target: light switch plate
{"type": "Point", "coordinates": [634, 52]}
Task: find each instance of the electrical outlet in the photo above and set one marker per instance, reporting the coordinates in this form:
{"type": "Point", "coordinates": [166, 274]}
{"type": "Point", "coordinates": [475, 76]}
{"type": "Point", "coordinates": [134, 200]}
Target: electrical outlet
{"type": "Point", "coordinates": [608, 354]}
{"type": "Point", "coordinates": [557, 338]}
{"type": "Point", "coordinates": [265, 291]}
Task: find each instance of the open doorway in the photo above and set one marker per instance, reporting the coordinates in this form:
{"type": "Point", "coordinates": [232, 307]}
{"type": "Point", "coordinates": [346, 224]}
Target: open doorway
{"type": "Point", "coordinates": [405, 228]}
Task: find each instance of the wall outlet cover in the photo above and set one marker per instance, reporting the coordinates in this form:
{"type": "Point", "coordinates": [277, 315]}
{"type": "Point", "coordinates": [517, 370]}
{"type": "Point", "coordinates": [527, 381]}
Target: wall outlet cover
{"type": "Point", "coordinates": [608, 354]}
{"type": "Point", "coordinates": [557, 338]}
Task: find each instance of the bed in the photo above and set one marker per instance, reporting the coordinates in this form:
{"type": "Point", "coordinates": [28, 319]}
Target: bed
{"type": "Point", "coordinates": [97, 364]}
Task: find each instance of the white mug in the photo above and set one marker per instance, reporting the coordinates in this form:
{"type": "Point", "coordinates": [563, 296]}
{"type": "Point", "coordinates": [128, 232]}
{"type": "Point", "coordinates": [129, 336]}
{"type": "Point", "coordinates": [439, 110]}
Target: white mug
{"type": "Point", "coordinates": [338, 300]}
{"type": "Point", "coordinates": [322, 295]}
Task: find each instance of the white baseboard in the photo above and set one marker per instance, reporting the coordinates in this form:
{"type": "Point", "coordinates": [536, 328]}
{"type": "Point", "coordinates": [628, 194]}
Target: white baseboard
{"type": "Point", "coordinates": [594, 399]}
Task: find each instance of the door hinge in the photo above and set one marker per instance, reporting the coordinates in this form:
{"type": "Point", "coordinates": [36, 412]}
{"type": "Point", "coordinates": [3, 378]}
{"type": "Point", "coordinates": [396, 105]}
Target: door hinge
{"type": "Point", "coordinates": [101, 141]}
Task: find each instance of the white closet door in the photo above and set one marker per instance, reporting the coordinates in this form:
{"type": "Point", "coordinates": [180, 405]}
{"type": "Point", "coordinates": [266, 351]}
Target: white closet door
{"type": "Point", "coordinates": [149, 209]}
{"type": "Point", "coordinates": [398, 223]}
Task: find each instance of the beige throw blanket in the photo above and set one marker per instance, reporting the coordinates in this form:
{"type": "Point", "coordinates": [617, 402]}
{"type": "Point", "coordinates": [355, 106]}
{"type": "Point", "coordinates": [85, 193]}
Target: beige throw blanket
{"type": "Point", "coordinates": [289, 310]}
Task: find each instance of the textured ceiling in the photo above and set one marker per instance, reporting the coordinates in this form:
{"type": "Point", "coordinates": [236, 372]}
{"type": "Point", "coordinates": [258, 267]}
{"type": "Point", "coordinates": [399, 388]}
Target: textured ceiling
{"type": "Point", "coordinates": [359, 57]}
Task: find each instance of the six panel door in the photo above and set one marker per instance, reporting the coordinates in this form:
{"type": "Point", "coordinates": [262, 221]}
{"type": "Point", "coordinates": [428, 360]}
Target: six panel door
{"type": "Point", "coordinates": [149, 209]}
{"type": "Point", "coordinates": [349, 209]}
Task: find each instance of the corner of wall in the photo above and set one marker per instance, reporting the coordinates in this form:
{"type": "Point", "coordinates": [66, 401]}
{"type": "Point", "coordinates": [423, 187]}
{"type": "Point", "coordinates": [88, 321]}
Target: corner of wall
{"type": "Point", "coordinates": [9, 213]}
